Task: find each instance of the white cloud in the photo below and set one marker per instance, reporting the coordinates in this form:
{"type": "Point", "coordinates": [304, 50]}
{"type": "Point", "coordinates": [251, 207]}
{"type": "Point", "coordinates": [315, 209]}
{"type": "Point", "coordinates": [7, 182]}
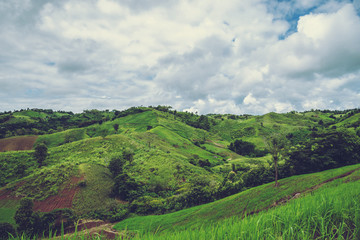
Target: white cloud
{"type": "Point", "coordinates": [198, 55]}
{"type": "Point", "coordinates": [249, 99]}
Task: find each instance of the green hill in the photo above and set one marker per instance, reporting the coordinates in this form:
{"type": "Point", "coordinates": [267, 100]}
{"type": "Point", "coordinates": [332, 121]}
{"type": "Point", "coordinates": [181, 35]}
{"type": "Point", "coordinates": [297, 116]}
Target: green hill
{"type": "Point", "coordinates": [116, 165]}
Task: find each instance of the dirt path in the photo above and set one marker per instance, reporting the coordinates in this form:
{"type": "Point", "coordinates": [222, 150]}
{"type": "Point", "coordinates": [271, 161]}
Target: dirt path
{"type": "Point", "coordinates": [216, 144]}
{"type": "Point", "coordinates": [91, 228]}
{"type": "Point", "coordinates": [17, 143]}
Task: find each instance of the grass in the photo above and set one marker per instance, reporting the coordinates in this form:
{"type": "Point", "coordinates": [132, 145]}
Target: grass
{"type": "Point", "coordinates": [95, 195]}
{"type": "Point", "coordinates": [251, 200]}
{"type": "Point", "coordinates": [60, 138]}
{"type": "Point", "coordinates": [8, 209]}
{"type": "Point", "coordinates": [330, 214]}
{"type": "Point", "coordinates": [7, 215]}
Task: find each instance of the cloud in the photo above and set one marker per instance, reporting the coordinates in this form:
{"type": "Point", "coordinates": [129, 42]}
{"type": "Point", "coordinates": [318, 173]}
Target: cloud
{"type": "Point", "coordinates": [249, 56]}
{"type": "Point", "coordinates": [317, 48]}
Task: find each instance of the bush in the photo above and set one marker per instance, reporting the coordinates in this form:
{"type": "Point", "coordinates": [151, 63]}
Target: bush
{"type": "Point", "coordinates": [326, 150]}
{"type": "Point", "coordinates": [148, 205]}
{"type": "Point", "coordinates": [126, 187]}
{"type": "Point", "coordinates": [40, 154]}
{"type": "Point", "coordinates": [201, 191]}
{"type": "Point", "coordinates": [24, 216]}
{"type": "Point", "coordinates": [242, 147]}
{"type": "Point", "coordinates": [5, 230]}
{"type": "Point", "coordinates": [257, 176]}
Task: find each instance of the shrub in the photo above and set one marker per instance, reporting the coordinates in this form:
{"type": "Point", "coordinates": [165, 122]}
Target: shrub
{"type": "Point", "coordinates": [5, 230]}
{"type": "Point", "coordinates": [24, 216]}
{"type": "Point", "coordinates": [242, 147]}
{"type": "Point", "coordinates": [40, 154]}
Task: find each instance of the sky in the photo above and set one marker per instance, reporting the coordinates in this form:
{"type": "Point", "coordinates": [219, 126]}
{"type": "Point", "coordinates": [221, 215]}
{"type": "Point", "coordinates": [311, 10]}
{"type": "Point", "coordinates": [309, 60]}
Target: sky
{"type": "Point", "coordinates": [239, 57]}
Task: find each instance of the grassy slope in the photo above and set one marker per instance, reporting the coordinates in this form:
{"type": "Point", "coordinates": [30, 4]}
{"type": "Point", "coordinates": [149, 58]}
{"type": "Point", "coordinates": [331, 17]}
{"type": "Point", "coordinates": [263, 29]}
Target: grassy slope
{"type": "Point", "coordinates": [95, 195]}
{"type": "Point", "coordinates": [330, 212]}
{"type": "Point", "coordinates": [252, 200]}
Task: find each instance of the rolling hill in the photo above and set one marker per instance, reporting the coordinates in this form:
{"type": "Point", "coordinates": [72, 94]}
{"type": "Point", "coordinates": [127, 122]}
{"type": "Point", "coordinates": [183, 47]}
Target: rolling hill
{"type": "Point", "coordinates": [178, 162]}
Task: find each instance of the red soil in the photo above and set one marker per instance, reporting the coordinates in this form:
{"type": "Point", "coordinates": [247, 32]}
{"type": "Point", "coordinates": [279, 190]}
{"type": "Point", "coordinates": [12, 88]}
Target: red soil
{"type": "Point", "coordinates": [17, 143]}
{"type": "Point", "coordinates": [6, 195]}
{"type": "Point", "coordinates": [62, 200]}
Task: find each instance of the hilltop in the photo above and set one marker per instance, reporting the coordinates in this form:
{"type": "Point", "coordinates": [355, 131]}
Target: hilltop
{"type": "Point", "coordinates": [114, 165]}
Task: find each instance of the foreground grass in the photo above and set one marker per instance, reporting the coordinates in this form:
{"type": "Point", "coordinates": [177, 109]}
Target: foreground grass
{"type": "Point", "coordinates": [249, 201]}
{"type": "Point", "coordinates": [332, 213]}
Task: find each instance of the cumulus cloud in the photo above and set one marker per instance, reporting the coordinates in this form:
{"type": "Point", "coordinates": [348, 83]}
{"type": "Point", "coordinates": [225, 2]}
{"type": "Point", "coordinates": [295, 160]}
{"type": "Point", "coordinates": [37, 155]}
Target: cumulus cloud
{"type": "Point", "coordinates": [249, 56]}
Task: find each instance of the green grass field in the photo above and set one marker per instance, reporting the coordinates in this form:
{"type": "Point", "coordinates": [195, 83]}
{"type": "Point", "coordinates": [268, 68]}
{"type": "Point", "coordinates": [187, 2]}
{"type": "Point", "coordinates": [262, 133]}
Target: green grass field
{"type": "Point", "coordinates": [251, 200]}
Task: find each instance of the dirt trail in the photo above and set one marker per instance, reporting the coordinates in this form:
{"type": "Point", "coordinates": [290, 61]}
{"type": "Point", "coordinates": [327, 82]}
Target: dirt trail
{"type": "Point", "coordinates": [216, 144]}
{"type": "Point", "coordinates": [92, 228]}
{"type": "Point", "coordinates": [17, 143]}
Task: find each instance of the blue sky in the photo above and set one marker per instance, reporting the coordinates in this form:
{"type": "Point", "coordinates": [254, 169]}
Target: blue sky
{"type": "Point", "coordinates": [249, 56]}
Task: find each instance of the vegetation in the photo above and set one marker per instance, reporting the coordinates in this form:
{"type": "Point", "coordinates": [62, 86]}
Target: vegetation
{"type": "Point", "coordinates": [40, 153]}
{"type": "Point", "coordinates": [165, 170]}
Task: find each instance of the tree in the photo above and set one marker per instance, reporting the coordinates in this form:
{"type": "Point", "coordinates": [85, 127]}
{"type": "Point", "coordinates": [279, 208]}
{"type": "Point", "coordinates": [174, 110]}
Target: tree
{"type": "Point", "coordinates": [116, 127]}
{"type": "Point", "coordinates": [242, 147]}
{"type": "Point", "coordinates": [275, 144]}
{"type": "Point", "coordinates": [6, 229]}
{"type": "Point", "coordinates": [116, 164]}
{"type": "Point", "coordinates": [41, 153]}
{"type": "Point", "coordinates": [201, 191]}
{"type": "Point", "coordinates": [325, 150]}
{"type": "Point", "coordinates": [125, 187]}
{"type": "Point", "coordinates": [24, 216]}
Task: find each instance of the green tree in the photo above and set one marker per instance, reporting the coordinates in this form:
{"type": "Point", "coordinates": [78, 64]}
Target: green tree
{"type": "Point", "coordinates": [116, 164]}
{"type": "Point", "coordinates": [6, 229]}
{"type": "Point", "coordinates": [275, 144]}
{"type": "Point", "coordinates": [41, 153]}
{"type": "Point", "coordinates": [24, 216]}
{"type": "Point", "coordinates": [116, 127]}
{"type": "Point", "coordinates": [125, 187]}
{"type": "Point", "coordinates": [325, 150]}
{"type": "Point", "coordinates": [242, 147]}
{"type": "Point", "coordinates": [201, 191]}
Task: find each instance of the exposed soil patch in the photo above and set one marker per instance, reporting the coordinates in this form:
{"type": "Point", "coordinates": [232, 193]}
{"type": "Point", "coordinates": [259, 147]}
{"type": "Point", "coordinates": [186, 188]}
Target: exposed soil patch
{"type": "Point", "coordinates": [6, 195]}
{"type": "Point", "coordinates": [63, 199]}
{"type": "Point", "coordinates": [93, 228]}
{"type": "Point", "coordinates": [17, 143]}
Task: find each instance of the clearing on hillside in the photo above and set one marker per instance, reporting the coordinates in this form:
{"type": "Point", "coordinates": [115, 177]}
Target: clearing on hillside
{"type": "Point", "coordinates": [63, 199]}
{"type": "Point", "coordinates": [17, 143]}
